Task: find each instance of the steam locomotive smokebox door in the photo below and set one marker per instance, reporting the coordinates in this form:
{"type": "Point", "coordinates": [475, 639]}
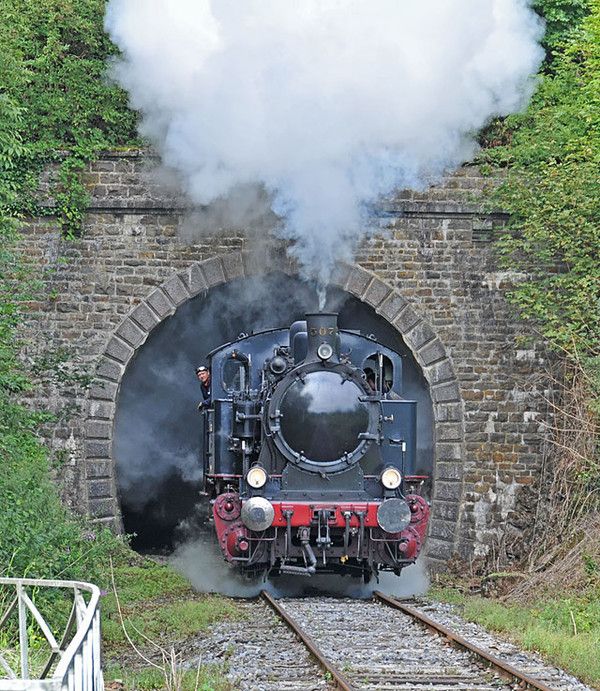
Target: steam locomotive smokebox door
{"type": "Point", "coordinates": [224, 457]}
{"type": "Point", "coordinates": [399, 430]}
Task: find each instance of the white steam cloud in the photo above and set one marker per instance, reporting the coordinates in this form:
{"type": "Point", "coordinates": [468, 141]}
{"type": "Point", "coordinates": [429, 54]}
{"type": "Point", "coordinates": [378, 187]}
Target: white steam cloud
{"type": "Point", "coordinates": [328, 104]}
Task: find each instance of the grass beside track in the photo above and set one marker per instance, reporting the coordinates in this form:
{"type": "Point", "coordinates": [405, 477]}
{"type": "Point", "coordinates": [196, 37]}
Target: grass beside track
{"type": "Point", "coordinates": [208, 678]}
{"type": "Point", "coordinates": [565, 631]}
{"type": "Point", "coordinates": [161, 615]}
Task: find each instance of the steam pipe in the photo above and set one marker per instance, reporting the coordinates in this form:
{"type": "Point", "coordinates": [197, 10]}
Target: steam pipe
{"type": "Point", "coordinates": [309, 570]}
{"type": "Point", "coordinates": [298, 570]}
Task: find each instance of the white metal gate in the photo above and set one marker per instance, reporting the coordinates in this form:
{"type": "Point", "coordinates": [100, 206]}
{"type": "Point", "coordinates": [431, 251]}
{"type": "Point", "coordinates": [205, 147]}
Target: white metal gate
{"type": "Point", "coordinates": [74, 662]}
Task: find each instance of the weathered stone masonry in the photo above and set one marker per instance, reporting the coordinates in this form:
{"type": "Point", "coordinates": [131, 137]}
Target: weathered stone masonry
{"type": "Point", "coordinates": [431, 273]}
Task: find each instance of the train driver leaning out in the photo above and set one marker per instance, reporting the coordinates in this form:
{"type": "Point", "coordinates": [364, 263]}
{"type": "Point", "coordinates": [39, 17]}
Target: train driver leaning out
{"type": "Point", "coordinates": [370, 379]}
{"type": "Point", "coordinates": [372, 385]}
{"type": "Point", "coordinates": [203, 375]}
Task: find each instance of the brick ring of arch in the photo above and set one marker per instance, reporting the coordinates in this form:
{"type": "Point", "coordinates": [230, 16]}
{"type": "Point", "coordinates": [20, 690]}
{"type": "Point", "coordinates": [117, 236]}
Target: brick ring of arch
{"type": "Point", "coordinates": [427, 349]}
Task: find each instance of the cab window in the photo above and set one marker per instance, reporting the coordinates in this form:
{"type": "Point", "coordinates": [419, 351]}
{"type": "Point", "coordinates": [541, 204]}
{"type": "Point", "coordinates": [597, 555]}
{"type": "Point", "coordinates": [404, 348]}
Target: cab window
{"type": "Point", "coordinates": [235, 375]}
{"type": "Point", "coordinates": [379, 373]}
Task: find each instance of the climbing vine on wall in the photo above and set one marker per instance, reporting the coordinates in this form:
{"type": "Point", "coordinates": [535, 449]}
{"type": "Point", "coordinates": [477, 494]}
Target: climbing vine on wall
{"type": "Point", "coordinates": [551, 156]}
{"type": "Point", "coordinates": [38, 537]}
{"type": "Point", "coordinates": [563, 19]}
{"type": "Point", "coordinates": [53, 63]}
{"type": "Point", "coordinates": [552, 192]}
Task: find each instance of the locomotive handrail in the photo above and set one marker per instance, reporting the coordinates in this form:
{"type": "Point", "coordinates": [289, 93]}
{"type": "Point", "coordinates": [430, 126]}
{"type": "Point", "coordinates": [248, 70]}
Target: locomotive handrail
{"type": "Point", "coordinates": [79, 665]}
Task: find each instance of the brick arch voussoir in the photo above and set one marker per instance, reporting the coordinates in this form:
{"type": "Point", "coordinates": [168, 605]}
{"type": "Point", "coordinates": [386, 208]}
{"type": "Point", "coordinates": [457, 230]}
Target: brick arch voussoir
{"type": "Point", "coordinates": [163, 301]}
{"type": "Point", "coordinates": [130, 335]}
{"type": "Point", "coordinates": [199, 277]}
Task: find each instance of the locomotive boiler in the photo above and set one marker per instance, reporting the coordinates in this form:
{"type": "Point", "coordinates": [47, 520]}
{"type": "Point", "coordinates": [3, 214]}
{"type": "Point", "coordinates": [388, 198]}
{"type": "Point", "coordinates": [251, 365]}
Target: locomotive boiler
{"type": "Point", "coordinates": [309, 453]}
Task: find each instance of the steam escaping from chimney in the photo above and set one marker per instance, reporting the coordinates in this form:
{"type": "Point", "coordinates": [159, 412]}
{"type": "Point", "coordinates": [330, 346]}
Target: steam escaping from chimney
{"type": "Point", "coordinates": [326, 104]}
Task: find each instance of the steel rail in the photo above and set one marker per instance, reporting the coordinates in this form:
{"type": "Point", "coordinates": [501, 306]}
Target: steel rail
{"type": "Point", "coordinates": [336, 676]}
{"type": "Point", "coordinates": [503, 668]}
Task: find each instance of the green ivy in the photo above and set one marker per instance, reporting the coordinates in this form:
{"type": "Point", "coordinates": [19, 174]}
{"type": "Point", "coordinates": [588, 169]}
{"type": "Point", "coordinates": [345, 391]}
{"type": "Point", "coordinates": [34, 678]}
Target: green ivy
{"type": "Point", "coordinates": [53, 64]}
{"type": "Point", "coordinates": [38, 537]}
{"type": "Point", "coordinates": [562, 17]}
{"type": "Point", "coordinates": [551, 159]}
{"type": "Point", "coordinates": [552, 191]}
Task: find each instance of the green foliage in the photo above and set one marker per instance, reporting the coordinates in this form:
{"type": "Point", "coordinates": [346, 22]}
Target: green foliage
{"type": "Point", "coordinates": [552, 191]}
{"type": "Point", "coordinates": [53, 57]}
{"type": "Point", "coordinates": [207, 678]}
{"type": "Point", "coordinates": [173, 620]}
{"type": "Point", "coordinates": [55, 54]}
{"type": "Point", "coordinates": [562, 18]}
{"type": "Point", "coordinates": [551, 157]}
{"type": "Point", "coordinates": [160, 613]}
{"type": "Point", "coordinates": [38, 537]}
{"type": "Point", "coordinates": [147, 580]}
{"type": "Point", "coordinates": [11, 149]}
{"type": "Point", "coordinates": [557, 238]}
{"type": "Point", "coordinates": [157, 601]}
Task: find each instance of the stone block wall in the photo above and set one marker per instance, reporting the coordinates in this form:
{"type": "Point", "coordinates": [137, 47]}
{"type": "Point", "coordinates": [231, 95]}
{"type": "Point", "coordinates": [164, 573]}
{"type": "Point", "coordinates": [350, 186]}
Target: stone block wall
{"type": "Point", "coordinates": [431, 272]}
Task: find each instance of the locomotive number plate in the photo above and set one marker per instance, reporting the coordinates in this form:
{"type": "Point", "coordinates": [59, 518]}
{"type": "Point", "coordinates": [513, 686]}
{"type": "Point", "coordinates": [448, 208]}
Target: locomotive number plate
{"type": "Point", "coordinates": [323, 331]}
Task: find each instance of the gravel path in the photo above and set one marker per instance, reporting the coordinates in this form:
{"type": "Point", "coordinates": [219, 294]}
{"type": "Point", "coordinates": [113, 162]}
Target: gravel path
{"type": "Point", "coordinates": [262, 653]}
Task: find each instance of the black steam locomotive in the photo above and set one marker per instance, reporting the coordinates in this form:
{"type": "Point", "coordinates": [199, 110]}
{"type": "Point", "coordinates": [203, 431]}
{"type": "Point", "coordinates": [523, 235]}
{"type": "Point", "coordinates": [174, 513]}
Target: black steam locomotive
{"type": "Point", "coordinates": [309, 453]}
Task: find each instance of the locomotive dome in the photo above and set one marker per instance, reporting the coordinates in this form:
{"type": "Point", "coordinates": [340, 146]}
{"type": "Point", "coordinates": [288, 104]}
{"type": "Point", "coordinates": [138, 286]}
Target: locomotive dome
{"type": "Point", "coordinates": [322, 416]}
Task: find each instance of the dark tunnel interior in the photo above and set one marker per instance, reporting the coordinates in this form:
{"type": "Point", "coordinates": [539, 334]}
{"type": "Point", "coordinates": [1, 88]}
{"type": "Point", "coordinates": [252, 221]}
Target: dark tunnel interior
{"type": "Point", "coordinates": [157, 427]}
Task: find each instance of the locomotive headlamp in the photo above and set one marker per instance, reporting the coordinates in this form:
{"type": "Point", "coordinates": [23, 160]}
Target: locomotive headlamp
{"type": "Point", "coordinates": [324, 351]}
{"type": "Point", "coordinates": [257, 477]}
{"type": "Point", "coordinates": [393, 515]}
{"type": "Point", "coordinates": [257, 513]}
{"type": "Point", "coordinates": [391, 478]}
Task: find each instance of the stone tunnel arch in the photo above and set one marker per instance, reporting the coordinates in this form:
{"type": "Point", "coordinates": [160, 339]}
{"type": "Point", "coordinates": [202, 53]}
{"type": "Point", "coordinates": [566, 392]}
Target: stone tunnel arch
{"type": "Point", "coordinates": [427, 349]}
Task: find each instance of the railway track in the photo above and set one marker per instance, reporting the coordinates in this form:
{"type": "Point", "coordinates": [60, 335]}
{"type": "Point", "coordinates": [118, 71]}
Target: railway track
{"type": "Point", "coordinates": [384, 644]}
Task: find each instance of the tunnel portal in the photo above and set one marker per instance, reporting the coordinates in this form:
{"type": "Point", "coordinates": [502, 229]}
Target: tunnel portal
{"type": "Point", "coordinates": [157, 426]}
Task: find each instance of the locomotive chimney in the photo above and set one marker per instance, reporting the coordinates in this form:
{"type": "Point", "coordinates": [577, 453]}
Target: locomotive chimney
{"type": "Point", "coordinates": [323, 336]}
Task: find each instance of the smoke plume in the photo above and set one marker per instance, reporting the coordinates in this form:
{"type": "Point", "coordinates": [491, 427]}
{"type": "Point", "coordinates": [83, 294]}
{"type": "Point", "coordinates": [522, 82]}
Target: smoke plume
{"type": "Point", "coordinates": [326, 104]}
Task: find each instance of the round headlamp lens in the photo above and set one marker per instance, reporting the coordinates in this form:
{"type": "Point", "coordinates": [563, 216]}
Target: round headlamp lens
{"type": "Point", "coordinates": [258, 513]}
{"type": "Point", "coordinates": [256, 477]}
{"type": "Point", "coordinates": [391, 478]}
{"type": "Point", "coordinates": [324, 351]}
